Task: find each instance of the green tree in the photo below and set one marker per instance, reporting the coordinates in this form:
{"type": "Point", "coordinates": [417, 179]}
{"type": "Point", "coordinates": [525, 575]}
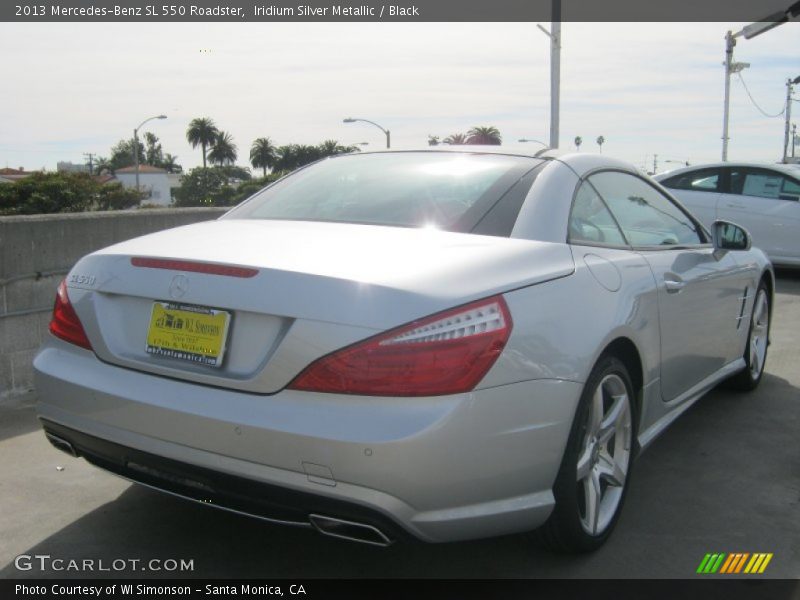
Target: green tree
{"type": "Point", "coordinates": [456, 139]}
{"type": "Point", "coordinates": [263, 154]}
{"type": "Point", "coordinates": [294, 156]}
{"type": "Point", "coordinates": [113, 196]}
{"type": "Point", "coordinates": [63, 192]}
{"type": "Point", "coordinates": [332, 148]}
{"type": "Point", "coordinates": [122, 154]}
{"type": "Point", "coordinates": [223, 151]}
{"type": "Point", "coordinates": [433, 140]}
{"type": "Point", "coordinates": [486, 136]}
{"type": "Point", "coordinates": [235, 174]}
{"type": "Point", "coordinates": [201, 186]}
{"type": "Point", "coordinates": [202, 132]}
{"type": "Point", "coordinates": [213, 186]}
{"type": "Point", "coordinates": [170, 164]}
{"type": "Point", "coordinates": [153, 154]}
{"type": "Point", "coordinates": [103, 165]}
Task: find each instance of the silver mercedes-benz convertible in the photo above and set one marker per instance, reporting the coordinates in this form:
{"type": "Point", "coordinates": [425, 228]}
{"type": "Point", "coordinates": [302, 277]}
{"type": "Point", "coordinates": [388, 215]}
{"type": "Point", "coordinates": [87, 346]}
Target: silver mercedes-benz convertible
{"type": "Point", "coordinates": [442, 344]}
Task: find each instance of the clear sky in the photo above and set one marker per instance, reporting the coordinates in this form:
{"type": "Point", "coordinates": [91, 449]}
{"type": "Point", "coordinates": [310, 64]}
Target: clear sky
{"type": "Point", "coordinates": [647, 88]}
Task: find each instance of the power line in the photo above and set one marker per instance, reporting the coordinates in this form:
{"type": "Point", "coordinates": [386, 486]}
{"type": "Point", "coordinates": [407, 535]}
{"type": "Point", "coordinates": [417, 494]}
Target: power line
{"type": "Point", "coordinates": [761, 110]}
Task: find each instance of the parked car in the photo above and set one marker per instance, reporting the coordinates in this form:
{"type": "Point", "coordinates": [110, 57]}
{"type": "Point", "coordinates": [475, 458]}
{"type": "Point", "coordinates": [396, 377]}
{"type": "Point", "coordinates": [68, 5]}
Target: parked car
{"type": "Point", "coordinates": [448, 344]}
{"type": "Point", "coordinates": [764, 199]}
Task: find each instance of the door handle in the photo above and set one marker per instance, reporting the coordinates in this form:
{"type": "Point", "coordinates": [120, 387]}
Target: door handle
{"type": "Point", "coordinates": [735, 205]}
{"type": "Point", "coordinates": [673, 283]}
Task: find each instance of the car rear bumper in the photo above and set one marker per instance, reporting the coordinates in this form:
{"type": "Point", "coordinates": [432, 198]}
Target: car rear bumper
{"type": "Point", "coordinates": [440, 469]}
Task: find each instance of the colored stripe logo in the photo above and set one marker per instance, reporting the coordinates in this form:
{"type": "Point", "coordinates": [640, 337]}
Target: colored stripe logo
{"type": "Point", "coordinates": [734, 563]}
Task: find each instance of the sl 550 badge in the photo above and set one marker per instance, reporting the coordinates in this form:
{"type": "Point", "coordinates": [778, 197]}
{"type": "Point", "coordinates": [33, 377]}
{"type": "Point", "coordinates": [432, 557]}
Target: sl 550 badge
{"type": "Point", "coordinates": [81, 279]}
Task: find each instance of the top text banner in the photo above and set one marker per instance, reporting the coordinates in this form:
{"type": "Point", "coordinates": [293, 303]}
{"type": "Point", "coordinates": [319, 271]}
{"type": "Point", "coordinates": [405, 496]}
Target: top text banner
{"type": "Point", "coordinates": [411, 11]}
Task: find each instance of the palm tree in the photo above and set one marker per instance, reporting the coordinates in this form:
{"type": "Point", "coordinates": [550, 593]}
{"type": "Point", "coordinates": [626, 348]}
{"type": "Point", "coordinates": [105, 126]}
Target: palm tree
{"type": "Point", "coordinates": [202, 132]}
{"type": "Point", "coordinates": [101, 165]}
{"type": "Point", "coordinates": [456, 139]}
{"type": "Point", "coordinates": [170, 163]}
{"type": "Point", "coordinates": [433, 140]}
{"type": "Point", "coordinates": [224, 150]}
{"type": "Point", "coordinates": [331, 148]}
{"type": "Point", "coordinates": [263, 154]}
{"type": "Point", "coordinates": [296, 155]}
{"type": "Point", "coordinates": [486, 136]}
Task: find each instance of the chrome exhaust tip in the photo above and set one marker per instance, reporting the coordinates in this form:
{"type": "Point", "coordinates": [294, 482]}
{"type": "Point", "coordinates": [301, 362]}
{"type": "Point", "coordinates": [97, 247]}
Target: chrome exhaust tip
{"type": "Point", "coordinates": [61, 444]}
{"type": "Point", "coordinates": [349, 530]}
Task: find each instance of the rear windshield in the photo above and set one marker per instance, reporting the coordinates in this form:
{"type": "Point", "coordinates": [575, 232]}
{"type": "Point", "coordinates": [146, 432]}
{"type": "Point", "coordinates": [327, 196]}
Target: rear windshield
{"type": "Point", "coordinates": [452, 191]}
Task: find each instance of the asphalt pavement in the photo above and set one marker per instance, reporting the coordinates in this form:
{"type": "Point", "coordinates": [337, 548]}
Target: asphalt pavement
{"type": "Point", "coordinates": [724, 478]}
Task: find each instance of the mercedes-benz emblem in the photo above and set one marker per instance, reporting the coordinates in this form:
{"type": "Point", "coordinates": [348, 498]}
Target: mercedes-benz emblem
{"type": "Point", "coordinates": [178, 287]}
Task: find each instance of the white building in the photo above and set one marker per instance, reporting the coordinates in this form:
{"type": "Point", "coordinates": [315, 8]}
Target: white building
{"type": "Point", "coordinates": [65, 166]}
{"type": "Point", "coordinates": [152, 180]}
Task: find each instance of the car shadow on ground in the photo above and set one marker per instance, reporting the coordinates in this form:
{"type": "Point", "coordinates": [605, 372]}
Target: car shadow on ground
{"type": "Point", "coordinates": [788, 281]}
{"type": "Point", "coordinates": [721, 478]}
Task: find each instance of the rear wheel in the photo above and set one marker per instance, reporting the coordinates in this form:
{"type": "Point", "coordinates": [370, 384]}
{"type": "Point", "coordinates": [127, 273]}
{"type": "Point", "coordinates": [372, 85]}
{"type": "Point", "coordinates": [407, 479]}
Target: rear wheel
{"type": "Point", "coordinates": [593, 479]}
{"type": "Point", "coordinates": [755, 352]}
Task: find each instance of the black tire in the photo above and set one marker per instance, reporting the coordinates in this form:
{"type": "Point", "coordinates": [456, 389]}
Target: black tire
{"type": "Point", "coordinates": [748, 378]}
{"type": "Point", "coordinates": [566, 529]}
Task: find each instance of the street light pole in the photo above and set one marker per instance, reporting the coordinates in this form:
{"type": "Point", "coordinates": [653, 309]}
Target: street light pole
{"type": "Point", "coordinates": [730, 68]}
{"type": "Point", "coordinates": [385, 131]}
{"type": "Point", "coordinates": [136, 145]}
{"type": "Point", "coordinates": [555, 70]}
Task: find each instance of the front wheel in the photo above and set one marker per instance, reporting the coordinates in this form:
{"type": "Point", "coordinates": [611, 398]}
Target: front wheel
{"type": "Point", "coordinates": [755, 352]}
{"type": "Point", "coordinates": [593, 479]}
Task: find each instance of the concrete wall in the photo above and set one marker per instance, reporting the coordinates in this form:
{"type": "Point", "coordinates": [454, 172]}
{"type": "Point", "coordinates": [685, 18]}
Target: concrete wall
{"type": "Point", "coordinates": [35, 254]}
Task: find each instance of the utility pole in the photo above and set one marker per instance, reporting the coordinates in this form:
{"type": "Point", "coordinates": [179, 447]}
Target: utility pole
{"type": "Point", "coordinates": [794, 138]}
{"type": "Point", "coordinates": [789, 89]}
{"type": "Point", "coordinates": [748, 32]}
{"type": "Point", "coordinates": [655, 164]}
{"type": "Point", "coordinates": [90, 158]}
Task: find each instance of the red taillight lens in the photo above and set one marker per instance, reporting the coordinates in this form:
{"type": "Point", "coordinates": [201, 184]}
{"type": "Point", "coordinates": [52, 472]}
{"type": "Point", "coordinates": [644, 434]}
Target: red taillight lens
{"type": "Point", "coordinates": [65, 323]}
{"type": "Point", "coordinates": [446, 353]}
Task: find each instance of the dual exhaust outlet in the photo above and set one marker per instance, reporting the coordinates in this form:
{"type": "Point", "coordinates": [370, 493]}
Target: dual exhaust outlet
{"type": "Point", "coordinates": [330, 526]}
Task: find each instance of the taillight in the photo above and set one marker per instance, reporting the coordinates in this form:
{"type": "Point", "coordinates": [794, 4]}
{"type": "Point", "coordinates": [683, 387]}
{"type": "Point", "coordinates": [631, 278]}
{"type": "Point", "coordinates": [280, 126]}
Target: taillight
{"type": "Point", "coordinates": [65, 323]}
{"type": "Point", "coordinates": [446, 353]}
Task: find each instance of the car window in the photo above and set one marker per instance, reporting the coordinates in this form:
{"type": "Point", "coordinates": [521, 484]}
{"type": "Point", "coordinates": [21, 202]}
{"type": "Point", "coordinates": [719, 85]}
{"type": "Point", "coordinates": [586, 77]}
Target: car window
{"type": "Point", "coordinates": [452, 191]}
{"type": "Point", "coordinates": [790, 188]}
{"type": "Point", "coordinates": [702, 180]}
{"type": "Point", "coordinates": [646, 216]}
{"type": "Point", "coordinates": [500, 219]}
{"type": "Point", "coordinates": [590, 220]}
{"type": "Point", "coordinates": [763, 183]}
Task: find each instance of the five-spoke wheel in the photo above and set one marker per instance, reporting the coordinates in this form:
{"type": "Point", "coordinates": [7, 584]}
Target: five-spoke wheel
{"type": "Point", "coordinates": [595, 471]}
{"type": "Point", "coordinates": [755, 352]}
{"type": "Point", "coordinates": [602, 466]}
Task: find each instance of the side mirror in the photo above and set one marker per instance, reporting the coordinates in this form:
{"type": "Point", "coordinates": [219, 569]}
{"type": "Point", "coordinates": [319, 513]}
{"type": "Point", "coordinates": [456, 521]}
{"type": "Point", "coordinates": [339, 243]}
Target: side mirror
{"type": "Point", "coordinates": [728, 236]}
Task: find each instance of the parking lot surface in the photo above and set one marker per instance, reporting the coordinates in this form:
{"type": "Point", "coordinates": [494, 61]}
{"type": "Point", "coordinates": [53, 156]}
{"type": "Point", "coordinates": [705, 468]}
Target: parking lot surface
{"type": "Point", "coordinates": [724, 478]}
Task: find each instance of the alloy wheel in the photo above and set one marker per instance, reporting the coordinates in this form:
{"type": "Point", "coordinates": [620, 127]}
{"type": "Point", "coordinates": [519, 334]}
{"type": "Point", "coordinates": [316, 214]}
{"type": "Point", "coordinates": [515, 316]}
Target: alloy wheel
{"type": "Point", "coordinates": [605, 455]}
{"type": "Point", "coordinates": [759, 334]}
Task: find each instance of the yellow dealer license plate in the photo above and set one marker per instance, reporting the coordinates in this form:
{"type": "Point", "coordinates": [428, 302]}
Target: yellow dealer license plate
{"type": "Point", "coordinates": [186, 332]}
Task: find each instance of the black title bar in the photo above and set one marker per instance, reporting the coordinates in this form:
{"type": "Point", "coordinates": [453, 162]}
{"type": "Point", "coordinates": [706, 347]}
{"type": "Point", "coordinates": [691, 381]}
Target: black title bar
{"type": "Point", "coordinates": [402, 589]}
{"type": "Point", "coordinates": [401, 11]}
